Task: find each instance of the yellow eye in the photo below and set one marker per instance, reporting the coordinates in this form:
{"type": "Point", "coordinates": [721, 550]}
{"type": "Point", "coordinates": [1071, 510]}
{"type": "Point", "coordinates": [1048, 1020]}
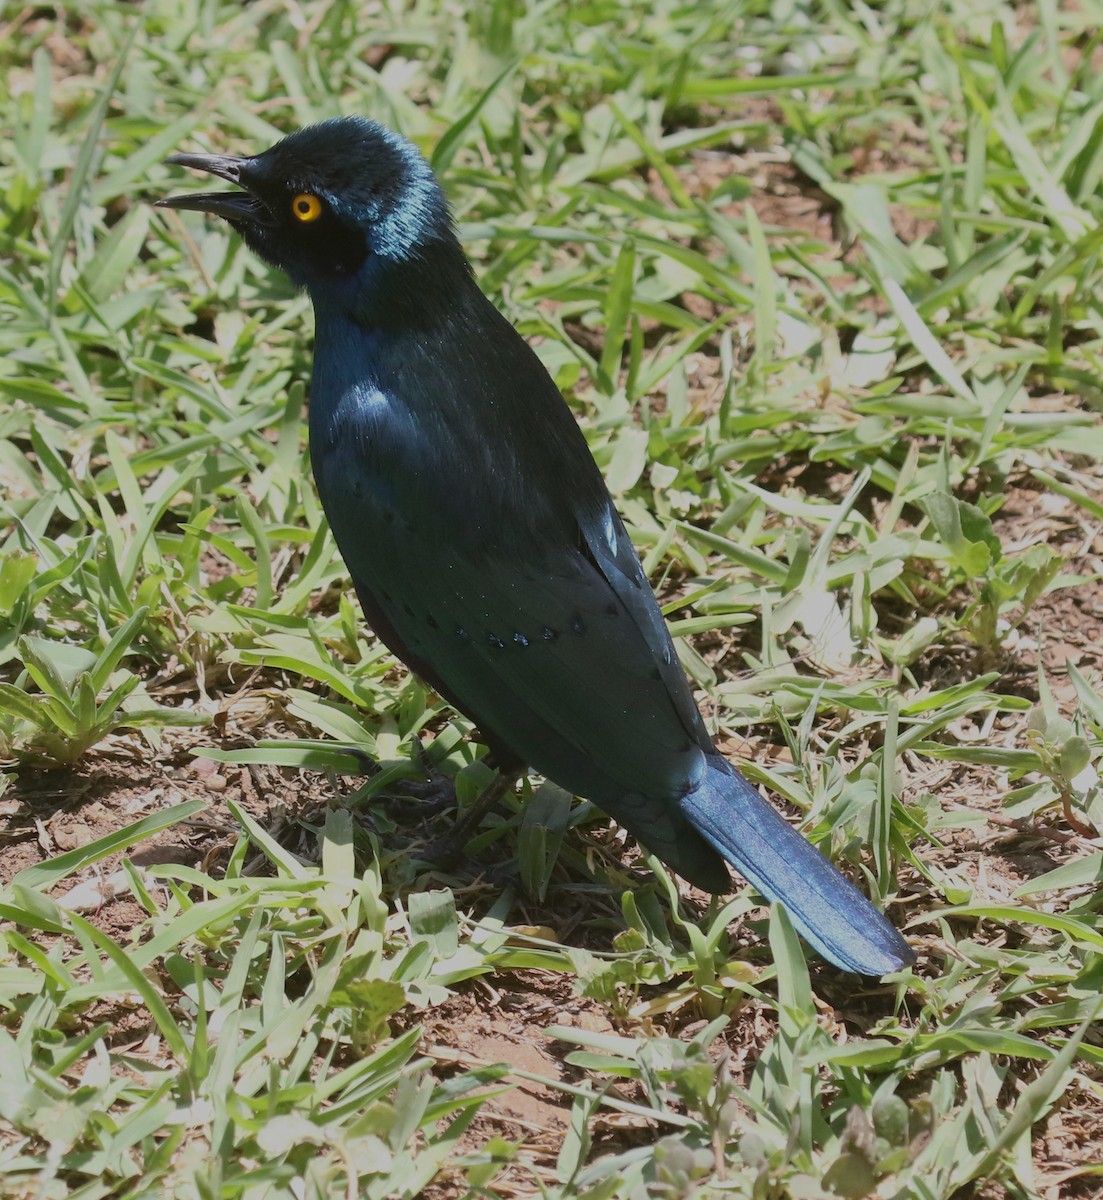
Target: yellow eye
{"type": "Point", "coordinates": [306, 208]}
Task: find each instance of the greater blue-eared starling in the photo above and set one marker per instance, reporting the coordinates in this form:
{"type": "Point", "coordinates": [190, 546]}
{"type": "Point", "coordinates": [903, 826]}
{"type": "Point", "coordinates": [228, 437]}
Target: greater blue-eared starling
{"type": "Point", "coordinates": [479, 533]}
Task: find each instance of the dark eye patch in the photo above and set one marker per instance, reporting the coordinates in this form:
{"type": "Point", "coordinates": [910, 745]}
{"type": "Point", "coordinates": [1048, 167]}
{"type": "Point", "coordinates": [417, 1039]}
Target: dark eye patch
{"type": "Point", "coordinates": [335, 247]}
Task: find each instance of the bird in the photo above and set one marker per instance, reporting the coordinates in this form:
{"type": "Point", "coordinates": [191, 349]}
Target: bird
{"type": "Point", "coordinates": [478, 531]}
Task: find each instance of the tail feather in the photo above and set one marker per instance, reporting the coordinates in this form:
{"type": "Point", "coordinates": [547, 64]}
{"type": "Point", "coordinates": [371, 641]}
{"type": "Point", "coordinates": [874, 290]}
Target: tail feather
{"type": "Point", "coordinates": [825, 907]}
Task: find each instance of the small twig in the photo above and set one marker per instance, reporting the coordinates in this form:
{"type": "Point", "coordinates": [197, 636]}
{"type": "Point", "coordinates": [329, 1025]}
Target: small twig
{"type": "Point", "coordinates": [1081, 827]}
{"type": "Point", "coordinates": [1044, 831]}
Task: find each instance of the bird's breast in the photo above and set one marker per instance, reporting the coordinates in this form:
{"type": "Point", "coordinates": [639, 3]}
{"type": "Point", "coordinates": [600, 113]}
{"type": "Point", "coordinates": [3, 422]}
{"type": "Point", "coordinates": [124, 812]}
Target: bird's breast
{"type": "Point", "coordinates": [362, 443]}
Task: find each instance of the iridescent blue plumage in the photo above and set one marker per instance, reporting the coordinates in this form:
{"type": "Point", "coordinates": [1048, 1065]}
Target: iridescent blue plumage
{"type": "Point", "coordinates": [479, 533]}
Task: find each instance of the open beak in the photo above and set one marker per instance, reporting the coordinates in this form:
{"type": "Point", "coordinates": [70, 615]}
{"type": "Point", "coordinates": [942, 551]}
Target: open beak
{"type": "Point", "coordinates": [234, 206]}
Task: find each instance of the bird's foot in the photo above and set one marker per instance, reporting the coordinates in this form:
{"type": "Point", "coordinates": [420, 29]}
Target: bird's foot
{"type": "Point", "coordinates": [409, 800]}
{"type": "Point", "coordinates": [406, 800]}
{"type": "Point", "coordinates": [447, 850]}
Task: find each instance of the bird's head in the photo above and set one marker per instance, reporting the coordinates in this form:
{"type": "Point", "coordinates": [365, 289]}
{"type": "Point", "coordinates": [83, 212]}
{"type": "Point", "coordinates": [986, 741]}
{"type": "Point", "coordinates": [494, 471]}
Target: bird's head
{"type": "Point", "coordinates": [328, 203]}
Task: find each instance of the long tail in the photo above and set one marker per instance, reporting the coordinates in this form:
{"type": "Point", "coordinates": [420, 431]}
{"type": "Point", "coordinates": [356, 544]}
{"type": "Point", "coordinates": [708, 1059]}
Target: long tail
{"type": "Point", "coordinates": [826, 908]}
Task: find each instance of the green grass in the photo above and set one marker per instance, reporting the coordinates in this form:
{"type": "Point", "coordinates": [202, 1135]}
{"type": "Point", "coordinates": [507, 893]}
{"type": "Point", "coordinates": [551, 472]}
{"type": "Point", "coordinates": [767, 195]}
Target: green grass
{"type": "Point", "coordinates": [821, 283]}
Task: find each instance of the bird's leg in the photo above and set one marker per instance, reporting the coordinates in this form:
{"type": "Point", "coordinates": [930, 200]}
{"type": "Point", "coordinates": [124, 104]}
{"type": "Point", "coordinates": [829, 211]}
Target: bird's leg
{"type": "Point", "coordinates": [446, 850]}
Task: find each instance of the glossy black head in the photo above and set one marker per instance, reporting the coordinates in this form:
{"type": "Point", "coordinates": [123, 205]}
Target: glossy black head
{"type": "Point", "coordinates": [327, 201]}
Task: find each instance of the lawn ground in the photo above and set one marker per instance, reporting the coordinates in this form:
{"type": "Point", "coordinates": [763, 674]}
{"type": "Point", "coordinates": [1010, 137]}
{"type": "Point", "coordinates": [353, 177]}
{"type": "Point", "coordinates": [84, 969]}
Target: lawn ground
{"type": "Point", "coordinates": [821, 285]}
